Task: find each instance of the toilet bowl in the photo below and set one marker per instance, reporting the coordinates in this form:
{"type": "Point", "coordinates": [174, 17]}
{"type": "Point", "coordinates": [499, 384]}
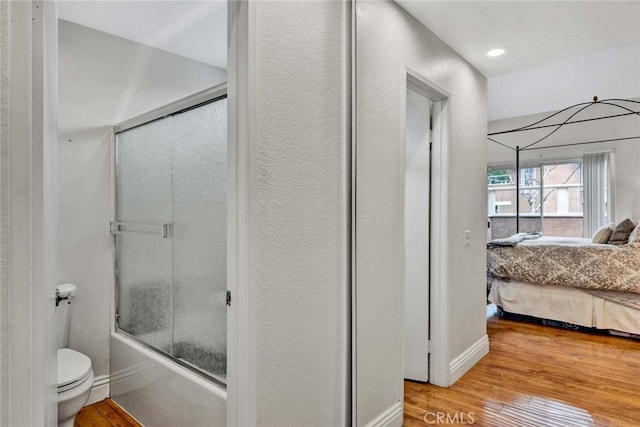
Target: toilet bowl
{"type": "Point", "coordinates": [75, 380]}
{"type": "Point", "coordinates": [75, 376]}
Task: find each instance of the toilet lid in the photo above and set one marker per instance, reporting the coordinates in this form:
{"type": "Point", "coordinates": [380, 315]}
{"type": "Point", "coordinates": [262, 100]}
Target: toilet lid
{"type": "Point", "coordinates": [72, 367]}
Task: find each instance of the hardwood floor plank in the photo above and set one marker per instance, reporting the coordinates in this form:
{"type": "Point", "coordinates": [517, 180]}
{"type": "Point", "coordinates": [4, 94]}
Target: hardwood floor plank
{"type": "Point", "coordinates": [105, 413]}
{"type": "Point", "coordinates": [89, 417]}
{"type": "Point", "coordinates": [112, 415]}
{"type": "Point", "coordinates": [123, 413]}
{"type": "Point", "coordinates": [537, 376]}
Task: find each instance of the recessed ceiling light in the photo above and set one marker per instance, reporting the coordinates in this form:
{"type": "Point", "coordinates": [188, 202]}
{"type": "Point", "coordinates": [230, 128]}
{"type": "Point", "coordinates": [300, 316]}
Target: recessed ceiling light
{"type": "Point", "coordinates": [496, 52]}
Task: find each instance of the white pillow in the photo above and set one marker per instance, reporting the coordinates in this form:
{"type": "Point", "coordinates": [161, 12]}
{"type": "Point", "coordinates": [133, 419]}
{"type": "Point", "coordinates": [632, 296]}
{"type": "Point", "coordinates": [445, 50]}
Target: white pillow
{"type": "Point", "coordinates": [603, 234]}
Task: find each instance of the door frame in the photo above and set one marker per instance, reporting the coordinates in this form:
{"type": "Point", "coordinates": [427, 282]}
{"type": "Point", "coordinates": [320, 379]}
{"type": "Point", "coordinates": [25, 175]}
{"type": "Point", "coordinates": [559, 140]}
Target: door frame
{"type": "Point", "coordinates": [28, 192]}
{"type": "Point", "coordinates": [241, 243]}
{"type": "Point", "coordinates": [439, 208]}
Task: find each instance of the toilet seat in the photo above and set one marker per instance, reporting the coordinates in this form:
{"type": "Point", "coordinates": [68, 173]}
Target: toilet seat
{"type": "Point", "coordinates": [74, 368]}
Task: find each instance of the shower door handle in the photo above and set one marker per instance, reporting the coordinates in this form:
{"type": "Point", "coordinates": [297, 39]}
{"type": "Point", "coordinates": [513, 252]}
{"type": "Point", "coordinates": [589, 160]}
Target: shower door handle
{"type": "Point", "coordinates": [123, 227]}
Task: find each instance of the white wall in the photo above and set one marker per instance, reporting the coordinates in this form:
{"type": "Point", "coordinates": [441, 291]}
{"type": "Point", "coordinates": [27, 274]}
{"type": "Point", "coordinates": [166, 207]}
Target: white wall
{"type": "Point", "coordinates": [106, 79]}
{"type": "Point", "coordinates": [103, 80]}
{"type": "Point", "coordinates": [301, 232]}
{"type": "Point", "coordinates": [611, 74]}
{"type": "Point", "coordinates": [84, 244]}
{"type": "Point", "coordinates": [388, 39]}
{"type": "Point", "coordinates": [289, 125]}
{"type": "Point", "coordinates": [5, 47]}
{"type": "Point", "coordinates": [627, 153]}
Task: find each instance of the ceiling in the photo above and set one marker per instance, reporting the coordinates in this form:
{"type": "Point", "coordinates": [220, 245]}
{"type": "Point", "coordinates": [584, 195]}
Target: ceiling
{"type": "Point", "coordinates": [193, 29]}
{"type": "Point", "coordinates": [533, 32]}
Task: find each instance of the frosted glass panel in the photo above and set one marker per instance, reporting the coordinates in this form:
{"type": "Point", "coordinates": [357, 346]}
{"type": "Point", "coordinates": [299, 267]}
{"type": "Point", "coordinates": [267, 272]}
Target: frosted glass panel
{"type": "Point", "coordinates": [200, 236]}
{"type": "Point", "coordinates": [144, 260]}
{"type": "Point", "coordinates": [144, 168]}
{"type": "Point", "coordinates": [172, 288]}
{"type": "Point", "coordinates": [145, 290]}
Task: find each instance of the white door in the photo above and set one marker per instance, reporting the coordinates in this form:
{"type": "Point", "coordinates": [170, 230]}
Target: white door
{"type": "Point", "coordinates": [416, 236]}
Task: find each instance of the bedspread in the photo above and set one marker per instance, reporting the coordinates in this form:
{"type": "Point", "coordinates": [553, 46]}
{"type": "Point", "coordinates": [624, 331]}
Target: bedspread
{"type": "Point", "coordinates": [599, 267]}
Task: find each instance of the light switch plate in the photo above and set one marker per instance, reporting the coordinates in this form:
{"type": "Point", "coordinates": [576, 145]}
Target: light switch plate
{"type": "Point", "coordinates": [467, 237]}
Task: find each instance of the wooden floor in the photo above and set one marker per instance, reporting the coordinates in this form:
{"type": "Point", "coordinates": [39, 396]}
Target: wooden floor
{"type": "Point", "coordinates": [533, 376]}
{"type": "Point", "coordinates": [104, 414]}
{"type": "Point", "coordinates": [538, 376]}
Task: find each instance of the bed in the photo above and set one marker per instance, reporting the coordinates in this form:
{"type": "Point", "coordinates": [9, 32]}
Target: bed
{"type": "Point", "coordinates": [571, 282]}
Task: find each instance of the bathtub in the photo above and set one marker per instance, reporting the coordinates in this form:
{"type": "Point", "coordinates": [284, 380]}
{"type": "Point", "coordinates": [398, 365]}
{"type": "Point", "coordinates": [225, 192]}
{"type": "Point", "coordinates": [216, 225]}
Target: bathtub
{"type": "Point", "coordinates": [159, 392]}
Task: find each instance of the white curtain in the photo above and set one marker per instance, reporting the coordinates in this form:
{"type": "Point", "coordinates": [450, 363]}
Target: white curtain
{"type": "Point", "coordinates": [595, 192]}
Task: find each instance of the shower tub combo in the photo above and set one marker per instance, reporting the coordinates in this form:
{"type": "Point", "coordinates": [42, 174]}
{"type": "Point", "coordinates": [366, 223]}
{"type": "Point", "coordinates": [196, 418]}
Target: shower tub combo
{"type": "Point", "coordinates": [169, 226]}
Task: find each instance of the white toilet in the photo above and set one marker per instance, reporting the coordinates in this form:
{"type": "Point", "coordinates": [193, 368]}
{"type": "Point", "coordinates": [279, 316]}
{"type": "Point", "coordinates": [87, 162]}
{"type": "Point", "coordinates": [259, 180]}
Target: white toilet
{"type": "Point", "coordinates": [75, 376]}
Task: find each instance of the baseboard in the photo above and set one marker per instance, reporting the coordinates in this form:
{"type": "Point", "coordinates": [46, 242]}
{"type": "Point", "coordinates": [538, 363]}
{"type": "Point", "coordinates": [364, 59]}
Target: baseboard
{"type": "Point", "coordinates": [461, 364]}
{"type": "Point", "coordinates": [390, 418]}
{"type": "Point", "coordinates": [100, 389]}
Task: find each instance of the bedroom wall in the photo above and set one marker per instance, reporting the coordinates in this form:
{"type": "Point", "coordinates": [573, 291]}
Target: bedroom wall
{"type": "Point", "coordinates": [387, 40]}
{"type": "Point", "coordinates": [627, 153]}
{"type": "Point", "coordinates": [609, 74]}
{"type": "Point", "coordinates": [104, 80]}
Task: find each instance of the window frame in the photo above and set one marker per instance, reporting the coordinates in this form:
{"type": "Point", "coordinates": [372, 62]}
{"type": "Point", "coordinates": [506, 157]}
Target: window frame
{"type": "Point", "coordinates": [533, 164]}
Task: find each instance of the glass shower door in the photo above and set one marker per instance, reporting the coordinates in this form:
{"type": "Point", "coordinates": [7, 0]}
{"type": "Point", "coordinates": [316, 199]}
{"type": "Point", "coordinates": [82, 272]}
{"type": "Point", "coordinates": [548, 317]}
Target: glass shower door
{"type": "Point", "coordinates": [200, 237]}
{"type": "Point", "coordinates": [171, 235]}
{"type": "Point", "coordinates": [144, 257]}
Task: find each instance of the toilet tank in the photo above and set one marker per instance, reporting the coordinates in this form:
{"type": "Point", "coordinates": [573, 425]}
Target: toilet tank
{"type": "Point", "coordinates": [66, 293]}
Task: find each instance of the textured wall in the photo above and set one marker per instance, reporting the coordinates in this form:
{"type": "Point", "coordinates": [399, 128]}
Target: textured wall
{"type": "Point", "coordinates": [103, 80]}
{"type": "Point", "coordinates": [387, 40]}
{"type": "Point", "coordinates": [301, 273]}
{"type": "Point", "coordinates": [4, 249]}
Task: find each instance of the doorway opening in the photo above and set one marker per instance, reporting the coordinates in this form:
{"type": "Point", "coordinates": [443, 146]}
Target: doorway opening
{"type": "Point", "coordinates": [426, 133]}
{"type": "Point", "coordinates": [142, 189]}
{"type": "Point", "coordinates": [417, 215]}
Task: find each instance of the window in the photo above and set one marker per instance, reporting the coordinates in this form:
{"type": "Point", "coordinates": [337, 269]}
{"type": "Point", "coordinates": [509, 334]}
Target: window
{"type": "Point", "coordinates": [550, 200]}
{"type": "Point", "coordinates": [500, 176]}
{"type": "Point", "coordinates": [562, 200]}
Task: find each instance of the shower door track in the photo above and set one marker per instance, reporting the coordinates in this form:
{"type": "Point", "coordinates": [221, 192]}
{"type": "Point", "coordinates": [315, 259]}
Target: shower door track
{"type": "Point", "coordinates": [190, 102]}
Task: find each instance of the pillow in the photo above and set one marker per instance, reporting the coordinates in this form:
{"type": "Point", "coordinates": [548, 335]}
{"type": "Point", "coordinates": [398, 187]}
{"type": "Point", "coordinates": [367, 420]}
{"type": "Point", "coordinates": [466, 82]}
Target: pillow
{"type": "Point", "coordinates": [620, 235]}
{"type": "Point", "coordinates": [603, 234]}
{"type": "Point", "coordinates": [634, 237]}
